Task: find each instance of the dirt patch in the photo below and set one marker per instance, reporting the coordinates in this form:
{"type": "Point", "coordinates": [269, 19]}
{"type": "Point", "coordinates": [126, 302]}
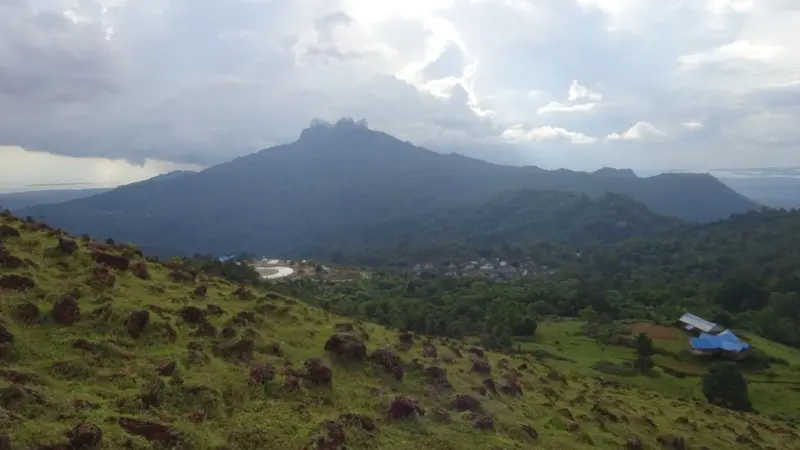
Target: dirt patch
{"type": "Point", "coordinates": [659, 332]}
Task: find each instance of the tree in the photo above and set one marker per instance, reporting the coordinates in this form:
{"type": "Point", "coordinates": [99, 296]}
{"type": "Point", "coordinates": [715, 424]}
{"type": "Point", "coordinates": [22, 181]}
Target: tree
{"type": "Point", "coordinates": [724, 385]}
{"type": "Point", "coordinates": [644, 353]}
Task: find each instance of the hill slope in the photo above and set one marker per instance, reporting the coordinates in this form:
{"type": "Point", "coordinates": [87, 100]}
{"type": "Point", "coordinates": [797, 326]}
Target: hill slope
{"type": "Point", "coordinates": [341, 177]}
{"type": "Point", "coordinates": [103, 349]}
{"type": "Point", "coordinates": [515, 218]}
{"type": "Point", "coordinates": [18, 200]}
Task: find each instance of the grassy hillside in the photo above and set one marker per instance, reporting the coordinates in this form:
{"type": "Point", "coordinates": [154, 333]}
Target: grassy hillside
{"type": "Point", "coordinates": [100, 348]}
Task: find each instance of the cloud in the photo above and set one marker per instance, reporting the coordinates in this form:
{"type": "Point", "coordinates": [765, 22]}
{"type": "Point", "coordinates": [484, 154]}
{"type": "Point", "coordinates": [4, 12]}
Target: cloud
{"type": "Point", "coordinates": [203, 81]}
{"type": "Point", "coordinates": [24, 169]}
{"type": "Point", "coordinates": [638, 132]}
{"type": "Point", "coordinates": [692, 125]}
{"type": "Point", "coordinates": [546, 134]}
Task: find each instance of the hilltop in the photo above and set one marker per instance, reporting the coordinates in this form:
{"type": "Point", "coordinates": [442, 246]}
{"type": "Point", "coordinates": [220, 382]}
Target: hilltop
{"type": "Point", "coordinates": [104, 348]}
{"type": "Point", "coordinates": [342, 178]}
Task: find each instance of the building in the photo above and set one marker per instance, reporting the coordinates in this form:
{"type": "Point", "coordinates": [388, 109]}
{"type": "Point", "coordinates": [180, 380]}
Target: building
{"type": "Point", "coordinates": [725, 344]}
{"type": "Point", "coordinates": [693, 323]}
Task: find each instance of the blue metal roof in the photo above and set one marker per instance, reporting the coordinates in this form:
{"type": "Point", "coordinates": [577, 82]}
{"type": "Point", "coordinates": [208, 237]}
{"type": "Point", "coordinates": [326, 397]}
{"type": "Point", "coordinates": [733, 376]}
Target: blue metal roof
{"type": "Point", "coordinates": [723, 341]}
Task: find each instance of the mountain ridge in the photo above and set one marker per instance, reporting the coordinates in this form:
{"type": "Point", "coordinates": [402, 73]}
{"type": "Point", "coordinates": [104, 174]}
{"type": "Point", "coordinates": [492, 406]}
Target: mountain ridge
{"type": "Point", "coordinates": [337, 177]}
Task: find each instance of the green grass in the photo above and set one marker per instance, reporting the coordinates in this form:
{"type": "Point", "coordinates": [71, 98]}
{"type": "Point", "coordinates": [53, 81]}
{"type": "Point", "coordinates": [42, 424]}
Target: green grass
{"type": "Point", "coordinates": [235, 414]}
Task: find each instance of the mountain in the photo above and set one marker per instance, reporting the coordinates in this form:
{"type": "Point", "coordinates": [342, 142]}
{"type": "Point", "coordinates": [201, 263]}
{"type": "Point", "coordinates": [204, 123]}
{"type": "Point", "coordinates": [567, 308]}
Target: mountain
{"type": "Point", "coordinates": [343, 177]}
{"type": "Point", "coordinates": [18, 200]}
{"type": "Point", "coordinates": [514, 218]}
{"type": "Point", "coordinates": [102, 348]}
{"type": "Point", "coordinates": [770, 190]}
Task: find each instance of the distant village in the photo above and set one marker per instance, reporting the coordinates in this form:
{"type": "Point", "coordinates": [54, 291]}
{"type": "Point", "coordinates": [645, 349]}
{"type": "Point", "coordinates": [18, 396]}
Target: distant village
{"type": "Point", "coordinates": [495, 269]}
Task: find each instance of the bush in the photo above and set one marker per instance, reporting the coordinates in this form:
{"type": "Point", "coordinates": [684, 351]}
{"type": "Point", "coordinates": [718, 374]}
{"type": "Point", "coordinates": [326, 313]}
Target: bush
{"type": "Point", "coordinates": [724, 385]}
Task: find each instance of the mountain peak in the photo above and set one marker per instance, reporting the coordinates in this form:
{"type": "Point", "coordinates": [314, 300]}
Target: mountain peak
{"type": "Point", "coordinates": [616, 173]}
{"type": "Point", "coordinates": [320, 129]}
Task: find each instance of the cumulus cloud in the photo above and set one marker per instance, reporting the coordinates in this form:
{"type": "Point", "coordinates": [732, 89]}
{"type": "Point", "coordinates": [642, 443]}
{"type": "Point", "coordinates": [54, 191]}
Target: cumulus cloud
{"type": "Point", "coordinates": [638, 132]}
{"type": "Point", "coordinates": [202, 81]}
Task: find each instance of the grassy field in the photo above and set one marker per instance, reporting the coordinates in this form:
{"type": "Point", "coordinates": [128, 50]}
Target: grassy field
{"type": "Point", "coordinates": [775, 390]}
{"type": "Point", "coordinates": [219, 366]}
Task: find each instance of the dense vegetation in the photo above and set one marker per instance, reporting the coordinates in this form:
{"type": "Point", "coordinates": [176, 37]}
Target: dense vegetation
{"type": "Point", "coordinates": [339, 178]}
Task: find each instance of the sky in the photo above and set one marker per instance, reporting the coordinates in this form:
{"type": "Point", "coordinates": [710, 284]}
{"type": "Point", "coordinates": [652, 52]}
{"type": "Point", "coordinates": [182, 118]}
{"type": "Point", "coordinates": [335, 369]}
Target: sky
{"type": "Point", "coordinates": [151, 86]}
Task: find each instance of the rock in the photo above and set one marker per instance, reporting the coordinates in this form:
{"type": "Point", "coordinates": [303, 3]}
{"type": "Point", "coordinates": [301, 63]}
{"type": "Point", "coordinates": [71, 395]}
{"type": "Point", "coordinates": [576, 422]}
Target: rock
{"type": "Point", "coordinates": [84, 435]}
{"type": "Point", "coordinates": [228, 333]}
{"type": "Point", "coordinates": [241, 350]}
{"type": "Point", "coordinates": [672, 442]}
{"type": "Point", "coordinates": [112, 261]}
{"type": "Point", "coordinates": [406, 339]}
{"type": "Point", "coordinates": [359, 420]}
{"type": "Point", "coordinates": [573, 427]}
{"type": "Point", "coordinates": [464, 402]}
{"type": "Point", "coordinates": [16, 283]}
{"type": "Point", "coordinates": [193, 315]}
{"type": "Point", "coordinates": [429, 351]}
{"type": "Point", "coordinates": [244, 318]}
{"type": "Point", "coordinates": [201, 291]}
{"type": "Point", "coordinates": [317, 372]}
{"type": "Point", "coordinates": [6, 337]}
{"type": "Point", "coordinates": [7, 231]}
{"type": "Point", "coordinates": [511, 386]}
{"type": "Point", "coordinates": [167, 369]}
{"type": "Point", "coordinates": [261, 374]}
{"type": "Point", "coordinates": [483, 422]}
{"type": "Point", "coordinates": [403, 407]}
{"type": "Point", "coordinates": [214, 310]}
{"type": "Point", "coordinates": [5, 442]}
{"type": "Point", "coordinates": [346, 346]}
{"type": "Point", "coordinates": [329, 436]}
{"type": "Point", "coordinates": [456, 351]}
{"type": "Point", "coordinates": [634, 444]}
{"type": "Point", "coordinates": [502, 364]}
{"type": "Point", "coordinates": [477, 351]}
{"type": "Point", "coordinates": [25, 312]}
{"type": "Point", "coordinates": [531, 432]}
{"type": "Point", "coordinates": [389, 360]}
{"type": "Point", "coordinates": [482, 367]}
{"type": "Point", "coordinates": [273, 348]}
{"type": "Point", "coordinates": [66, 310]}
{"type": "Point", "coordinates": [490, 386]}
{"type": "Point", "coordinates": [242, 293]}
{"type": "Point", "coordinates": [102, 278]}
{"type": "Point", "coordinates": [149, 430]}
{"type": "Point", "coordinates": [437, 376]}
{"type": "Point", "coordinates": [67, 246]}
{"type": "Point", "coordinates": [9, 261]}
{"type": "Point", "coordinates": [139, 270]}
{"type": "Point", "coordinates": [181, 276]}
{"type": "Point", "coordinates": [441, 415]}
{"type": "Point", "coordinates": [136, 323]}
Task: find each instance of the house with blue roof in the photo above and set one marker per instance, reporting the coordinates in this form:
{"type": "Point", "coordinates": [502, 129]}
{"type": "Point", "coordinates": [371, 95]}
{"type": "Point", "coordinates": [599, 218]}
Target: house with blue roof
{"type": "Point", "coordinates": [725, 344]}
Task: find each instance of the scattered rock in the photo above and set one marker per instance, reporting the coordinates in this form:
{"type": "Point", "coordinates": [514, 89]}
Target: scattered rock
{"type": "Point", "coordinates": [181, 276]}
{"type": "Point", "coordinates": [464, 402]}
{"type": "Point", "coordinates": [573, 427]}
{"type": "Point", "coordinates": [502, 364]}
{"type": "Point", "coordinates": [441, 415]}
{"type": "Point", "coordinates": [429, 351]}
{"type": "Point", "coordinates": [102, 279]}
{"type": "Point", "coordinates": [7, 231]}
{"type": "Point", "coordinates": [214, 310]}
{"type": "Point", "coordinates": [317, 372]}
{"type": "Point", "coordinates": [242, 293]}
{"type": "Point", "coordinates": [672, 442]}
{"type": "Point", "coordinates": [167, 369]}
{"type": "Point", "coordinates": [244, 318]}
{"type": "Point", "coordinates": [403, 407]}
{"type": "Point", "coordinates": [139, 270]}
{"type": "Point", "coordinates": [329, 436]}
{"type": "Point", "coordinates": [482, 367]}
{"type": "Point", "coordinates": [511, 386]}
{"type": "Point", "coordinates": [9, 261]}
{"type": "Point", "coordinates": [136, 323]}
{"type": "Point", "coordinates": [25, 312]}
{"type": "Point", "coordinates": [228, 333]}
{"type": "Point", "coordinates": [112, 261]}
{"type": "Point", "coordinates": [346, 346]}
{"type": "Point", "coordinates": [201, 291]}
{"type": "Point", "coordinates": [531, 432]}
{"type": "Point", "coordinates": [193, 315]}
{"type": "Point", "coordinates": [634, 444]}
{"type": "Point", "coordinates": [456, 351]}
{"type": "Point", "coordinates": [437, 376]}
{"type": "Point", "coordinates": [477, 351]}
{"type": "Point", "coordinates": [149, 430]}
{"type": "Point", "coordinates": [359, 420]}
{"type": "Point", "coordinates": [483, 422]}
{"type": "Point", "coordinates": [490, 386]}
{"type": "Point", "coordinates": [66, 310]}
{"type": "Point", "coordinates": [84, 436]}
{"type": "Point", "coordinates": [406, 339]}
{"type": "Point", "coordinates": [261, 374]}
{"type": "Point", "coordinates": [389, 360]}
{"type": "Point", "coordinates": [16, 282]}
{"type": "Point", "coordinates": [241, 350]}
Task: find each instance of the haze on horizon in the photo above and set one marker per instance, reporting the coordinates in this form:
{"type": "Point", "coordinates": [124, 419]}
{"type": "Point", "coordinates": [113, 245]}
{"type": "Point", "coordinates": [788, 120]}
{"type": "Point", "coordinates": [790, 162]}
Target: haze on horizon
{"type": "Point", "coordinates": [143, 88]}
